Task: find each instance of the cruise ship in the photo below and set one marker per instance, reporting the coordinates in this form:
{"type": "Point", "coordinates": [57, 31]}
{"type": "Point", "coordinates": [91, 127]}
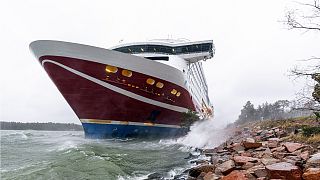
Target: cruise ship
{"type": "Point", "coordinates": [137, 89]}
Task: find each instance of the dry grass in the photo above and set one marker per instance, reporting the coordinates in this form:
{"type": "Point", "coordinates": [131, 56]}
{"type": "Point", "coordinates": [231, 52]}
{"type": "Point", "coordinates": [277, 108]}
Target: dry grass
{"type": "Point", "coordinates": [315, 139]}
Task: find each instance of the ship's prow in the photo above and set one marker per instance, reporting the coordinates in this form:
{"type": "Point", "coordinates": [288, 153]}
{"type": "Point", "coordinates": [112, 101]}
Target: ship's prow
{"type": "Point", "coordinates": [117, 94]}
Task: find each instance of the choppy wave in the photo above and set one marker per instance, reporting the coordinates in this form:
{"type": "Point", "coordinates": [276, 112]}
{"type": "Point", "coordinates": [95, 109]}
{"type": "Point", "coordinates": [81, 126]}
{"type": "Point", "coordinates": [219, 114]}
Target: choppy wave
{"type": "Point", "coordinates": [68, 155]}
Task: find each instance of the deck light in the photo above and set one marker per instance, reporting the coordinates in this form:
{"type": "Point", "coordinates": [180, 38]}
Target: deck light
{"type": "Point", "coordinates": [126, 73]}
{"type": "Point", "coordinates": [150, 81]}
{"type": "Point", "coordinates": [111, 69]}
{"type": "Point", "coordinates": [159, 85]}
{"type": "Point", "coordinates": [178, 94]}
{"type": "Point", "coordinates": [174, 91]}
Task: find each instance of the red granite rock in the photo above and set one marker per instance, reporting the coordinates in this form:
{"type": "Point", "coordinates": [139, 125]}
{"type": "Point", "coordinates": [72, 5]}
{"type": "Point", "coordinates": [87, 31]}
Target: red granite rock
{"type": "Point", "coordinates": [210, 176]}
{"type": "Point", "coordinates": [235, 175]}
{"type": "Point", "coordinates": [251, 145]}
{"type": "Point", "coordinates": [225, 168]}
{"type": "Point", "coordinates": [268, 161]}
{"type": "Point", "coordinates": [273, 142]}
{"type": "Point", "coordinates": [249, 140]}
{"type": "Point", "coordinates": [291, 147]}
{"type": "Point", "coordinates": [314, 161]}
{"type": "Point", "coordinates": [312, 174]}
{"type": "Point", "coordinates": [278, 149]}
{"type": "Point", "coordinates": [305, 155]}
{"type": "Point", "coordinates": [241, 160]}
{"type": "Point", "coordinates": [283, 170]}
{"type": "Point", "coordinates": [196, 171]}
{"type": "Point", "coordinates": [262, 172]}
{"type": "Point", "coordinates": [237, 147]}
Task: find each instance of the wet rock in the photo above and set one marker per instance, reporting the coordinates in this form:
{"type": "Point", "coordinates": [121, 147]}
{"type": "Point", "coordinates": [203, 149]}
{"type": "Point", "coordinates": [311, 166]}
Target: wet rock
{"type": "Point", "coordinates": [196, 171]}
{"type": "Point", "coordinates": [291, 147]}
{"type": "Point", "coordinates": [202, 174]}
{"type": "Point", "coordinates": [278, 149]}
{"type": "Point", "coordinates": [250, 140]}
{"type": "Point", "coordinates": [312, 174]}
{"type": "Point", "coordinates": [241, 160]}
{"type": "Point", "coordinates": [267, 151]}
{"type": "Point", "coordinates": [220, 151]}
{"type": "Point", "coordinates": [237, 147]}
{"type": "Point", "coordinates": [261, 149]}
{"type": "Point", "coordinates": [235, 175]}
{"type": "Point", "coordinates": [155, 176]}
{"type": "Point", "coordinates": [246, 153]}
{"type": "Point", "coordinates": [210, 176]}
{"type": "Point", "coordinates": [199, 161]}
{"type": "Point", "coordinates": [261, 178]}
{"type": "Point", "coordinates": [283, 170]}
{"type": "Point", "coordinates": [279, 155]}
{"type": "Point", "coordinates": [251, 145]}
{"type": "Point", "coordinates": [261, 172]}
{"type": "Point", "coordinates": [248, 165]}
{"type": "Point", "coordinates": [305, 155]}
{"type": "Point", "coordinates": [293, 159]}
{"type": "Point", "coordinates": [225, 168]}
{"type": "Point", "coordinates": [273, 142]}
{"type": "Point", "coordinates": [268, 161]}
{"type": "Point", "coordinates": [314, 161]}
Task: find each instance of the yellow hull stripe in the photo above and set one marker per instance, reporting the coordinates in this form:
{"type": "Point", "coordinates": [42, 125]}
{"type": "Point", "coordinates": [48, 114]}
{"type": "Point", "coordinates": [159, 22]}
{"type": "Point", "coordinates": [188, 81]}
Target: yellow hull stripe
{"type": "Point", "coordinates": [101, 121]}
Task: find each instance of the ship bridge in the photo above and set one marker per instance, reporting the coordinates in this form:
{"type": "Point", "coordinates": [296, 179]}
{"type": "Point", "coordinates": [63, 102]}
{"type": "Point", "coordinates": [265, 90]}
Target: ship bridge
{"type": "Point", "coordinates": [190, 51]}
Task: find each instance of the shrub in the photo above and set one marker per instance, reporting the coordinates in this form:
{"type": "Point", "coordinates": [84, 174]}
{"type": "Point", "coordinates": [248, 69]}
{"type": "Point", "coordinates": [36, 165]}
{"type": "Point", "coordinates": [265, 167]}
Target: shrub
{"type": "Point", "coordinates": [309, 131]}
{"type": "Point", "coordinates": [188, 118]}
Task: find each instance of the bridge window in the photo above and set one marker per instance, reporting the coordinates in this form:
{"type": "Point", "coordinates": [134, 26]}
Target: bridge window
{"type": "Point", "coordinates": [194, 48]}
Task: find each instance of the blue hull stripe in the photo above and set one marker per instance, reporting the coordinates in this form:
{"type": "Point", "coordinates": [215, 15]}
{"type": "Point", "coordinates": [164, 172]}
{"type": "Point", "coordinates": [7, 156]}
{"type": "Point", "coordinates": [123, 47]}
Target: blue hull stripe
{"type": "Point", "coordinates": [93, 130]}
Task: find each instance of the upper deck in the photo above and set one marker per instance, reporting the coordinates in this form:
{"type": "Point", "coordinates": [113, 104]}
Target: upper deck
{"type": "Point", "coordinates": [192, 51]}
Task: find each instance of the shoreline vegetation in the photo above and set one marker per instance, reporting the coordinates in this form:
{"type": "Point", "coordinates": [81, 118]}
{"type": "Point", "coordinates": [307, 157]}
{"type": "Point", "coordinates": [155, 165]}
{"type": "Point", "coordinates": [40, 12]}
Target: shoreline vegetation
{"type": "Point", "coordinates": [49, 126]}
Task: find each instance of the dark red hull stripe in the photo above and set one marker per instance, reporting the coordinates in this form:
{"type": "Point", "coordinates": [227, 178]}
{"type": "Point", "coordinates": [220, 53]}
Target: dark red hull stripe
{"type": "Point", "coordinates": [93, 101]}
{"type": "Point", "coordinates": [136, 83]}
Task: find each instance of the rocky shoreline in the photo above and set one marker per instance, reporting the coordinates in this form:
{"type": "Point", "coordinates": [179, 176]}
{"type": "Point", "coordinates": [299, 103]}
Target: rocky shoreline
{"type": "Point", "coordinates": [257, 153]}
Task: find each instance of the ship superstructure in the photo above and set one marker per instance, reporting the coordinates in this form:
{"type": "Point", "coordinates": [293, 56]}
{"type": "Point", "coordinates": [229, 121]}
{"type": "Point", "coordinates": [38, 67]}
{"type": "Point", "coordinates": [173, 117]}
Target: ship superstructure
{"type": "Point", "coordinates": [134, 89]}
{"type": "Point", "coordinates": [184, 56]}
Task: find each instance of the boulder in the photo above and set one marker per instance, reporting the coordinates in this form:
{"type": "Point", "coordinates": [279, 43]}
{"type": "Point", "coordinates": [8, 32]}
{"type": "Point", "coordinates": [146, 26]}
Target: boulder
{"type": "Point", "coordinates": [196, 171]}
{"type": "Point", "coordinates": [261, 172]}
{"type": "Point", "coordinates": [278, 149]}
{"type": "Point", "coordinates": [312, 174]}
{"type": "Point", "coordinates": [248, 165]}
{"type": "Point", "coordinates": [258, 171]}
{"type": "Point", "coordinates": [237, 147]}
{"type": "Point", "coordinates": [268, 161]}
{"type": "Point", "coordinates": [293, 159]}
{"type": "Point", "coordinates": [304, 155]}
{"type": "Point", "coordinates": [251, 140]}
{"type": "Point", "coordinates": [273, 142]}
{"type": "Point", "coordinates": [210, 176]}
{"type": "Point", "coordinates": [314, 161]}
{"type": "Point", "coordinates": [225, 168]}
{"type": "Point", "coordinates": [241, 160]}
{"type": "Point", "coordinates": [291, 147]}
{"type": "Point", "coordinates": [235, 175]}
{"type": "Point", "coordinates": [283, 170]}
{"type": "Point", "coordinates": [251, 145]}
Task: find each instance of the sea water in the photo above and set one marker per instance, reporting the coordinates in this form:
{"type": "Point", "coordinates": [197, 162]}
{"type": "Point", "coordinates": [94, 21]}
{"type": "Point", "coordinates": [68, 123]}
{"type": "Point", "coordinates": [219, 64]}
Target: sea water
{"type": "Point", "coordinates": [29, 154]}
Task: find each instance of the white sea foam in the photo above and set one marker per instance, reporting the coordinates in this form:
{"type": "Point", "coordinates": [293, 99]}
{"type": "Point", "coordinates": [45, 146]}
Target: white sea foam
{"type": "Point", "coordinates": [205, 134]}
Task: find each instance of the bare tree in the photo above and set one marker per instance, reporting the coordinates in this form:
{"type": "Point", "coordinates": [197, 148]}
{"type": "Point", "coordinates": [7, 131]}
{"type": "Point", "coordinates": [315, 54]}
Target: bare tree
{"type": "Point", "coordinates": [307, 18]}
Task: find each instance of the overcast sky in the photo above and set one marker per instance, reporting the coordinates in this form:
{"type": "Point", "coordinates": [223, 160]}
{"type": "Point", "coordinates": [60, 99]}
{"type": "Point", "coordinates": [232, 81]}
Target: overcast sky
{"type": "Point", "coordinates": [254, 50]}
